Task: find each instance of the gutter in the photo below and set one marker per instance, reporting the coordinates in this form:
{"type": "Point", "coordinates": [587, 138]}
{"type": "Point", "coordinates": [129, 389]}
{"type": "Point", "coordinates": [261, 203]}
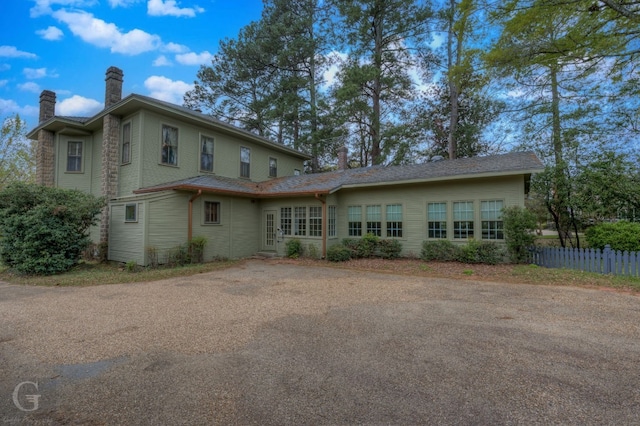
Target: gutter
{"type": "Point", "coordinates": [190, 218]}
{"type": "Point", "coordinates": [324, 224]}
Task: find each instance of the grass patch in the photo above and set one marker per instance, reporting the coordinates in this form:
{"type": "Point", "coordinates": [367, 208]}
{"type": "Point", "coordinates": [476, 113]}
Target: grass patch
{"type": "Point", "coordinates": [89, 273]}
{"type": "Point", "coordinates": [555, 276]}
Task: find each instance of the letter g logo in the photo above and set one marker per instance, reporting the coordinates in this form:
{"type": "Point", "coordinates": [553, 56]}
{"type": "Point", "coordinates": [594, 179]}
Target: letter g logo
{"type": "Point", "coordinates": [33, 399]}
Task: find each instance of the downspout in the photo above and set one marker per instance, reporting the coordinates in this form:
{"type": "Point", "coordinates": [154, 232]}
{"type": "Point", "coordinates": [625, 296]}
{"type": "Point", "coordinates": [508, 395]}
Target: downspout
{"type": "Point", "coordinates": [324, 225]}
{"type": "Point", "coordinates": [190, 219]}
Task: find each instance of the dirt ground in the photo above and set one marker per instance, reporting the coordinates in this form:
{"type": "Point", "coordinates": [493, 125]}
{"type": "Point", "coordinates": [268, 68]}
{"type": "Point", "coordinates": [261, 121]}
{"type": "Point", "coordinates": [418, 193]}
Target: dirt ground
{"type": "Point", "coordinates": [274, 342]}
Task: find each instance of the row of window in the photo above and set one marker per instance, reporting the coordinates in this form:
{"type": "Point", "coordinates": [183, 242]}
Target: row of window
{"type": "Point", "coordinates": [307, 221]}
{"type": "Point", "coordinates": [463, 220]}
{"type": "Point", "coordinates": [169, 153]}
{"type": "Point", "coordinates": [373, 223]}
{"type": "Point", "coordinates": [211, 212]}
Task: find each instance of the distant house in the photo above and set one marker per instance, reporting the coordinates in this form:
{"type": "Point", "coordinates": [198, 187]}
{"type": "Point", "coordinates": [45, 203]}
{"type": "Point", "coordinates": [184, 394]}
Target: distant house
{"type": "Point", "coordinates": [170, 173]}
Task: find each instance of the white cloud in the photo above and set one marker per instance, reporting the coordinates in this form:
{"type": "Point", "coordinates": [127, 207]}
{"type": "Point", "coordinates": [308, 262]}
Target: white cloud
{"type": "Point", "coordinates": [162, 61]}
{"type": "Point", "coordinates": [35, 73]}
{"type": "Point", "coordinates": [103, 34]}
{"type": "Point", "coordinates": [170, 8]}
{"type": "Point", "coordinates": [29, 86]}
{"type": "Point", "coordinates": [3, 83]}
{"type": "Point", "coordinates": [192, 58]}
{"type": "Point", "coordinates": [329, 75]}
{"type": "Point", "coordinates": [122, 3]}
{"type": "Point", "coordinates": [437, 41]}
{"type": "Point", "coordinates": [43, 7]}
{"type": "Point", "coordinates": [175, 48]}
{"type": "Point", "coordinates": [13, 52]}
{"type": "Point", "coordinates": [51, 33]}
{"type": "Point", "coordinates": [78, 106]}
{"type": "Point", "coordinates": [10, 107]}
{"type": "Point", "coordinates": [165, 89]}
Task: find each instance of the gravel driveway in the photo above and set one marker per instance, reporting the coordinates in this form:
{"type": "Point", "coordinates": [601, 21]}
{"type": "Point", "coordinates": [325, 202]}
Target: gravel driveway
{"type": "Point", "coordinates": [277, 344]}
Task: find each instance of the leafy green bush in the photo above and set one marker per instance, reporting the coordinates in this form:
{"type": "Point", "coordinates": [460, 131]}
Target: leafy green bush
{"type": "Point", "coordinates": [362, 247]}
{"type": "Point", "coordinates": [196, 249]}
{"type": "Point", "coordinates": [440, 250]}
{"type": "Point", "coordinates": [45, 230]}
{"type": "Point", "coordinates": [338, 253]}
{"type": "Point", "coordinates": [519, 226]}
{"type": "Point", "coordinates": [389, 249]}
{"type": "Point", "coordinates": [178, 256]}
{"type": "Point", "coordinates": [293, 248]}
{"type": "Point", "coordinates": [619, 235]}
{"type": "Point", "coordinates": [486, 252]}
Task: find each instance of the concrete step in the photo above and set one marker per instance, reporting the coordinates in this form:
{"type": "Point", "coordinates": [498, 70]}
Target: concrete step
{"type": "Point", "coordinates": [266, 254]}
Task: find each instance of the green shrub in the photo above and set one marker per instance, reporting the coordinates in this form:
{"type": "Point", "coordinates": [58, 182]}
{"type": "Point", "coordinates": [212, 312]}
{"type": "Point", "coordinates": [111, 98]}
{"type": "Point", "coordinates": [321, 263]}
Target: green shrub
{"type": "Point", "coordinates": [196, 249]}
{"type": "Point", "coordinates": [519, 226]}
{"type": "Point", "coordinates": [362, 247]}
{"type": "Point", "coordinates": [45, 230]}
{"type": "Point", "coordinates": [389, 249]}
{"type": "Point", "coordinates": [490, 253]}
{"type": "Point", "coordinates": [468, 253]}
{"type": "Point", "coordinates": [619, 235]}
{"type": "Point", "coordinates": [440, 250]}
{"type": "Point", "coordinates": [294, 248]}
{"type": "Point", "coordinates": [131, 266]}
{"type": "Point", "coordinates": [178, 256]}
{"type": "Point", "coordinates": [312, 251]}
{"type": "Point", "coordinates": [338, 253]}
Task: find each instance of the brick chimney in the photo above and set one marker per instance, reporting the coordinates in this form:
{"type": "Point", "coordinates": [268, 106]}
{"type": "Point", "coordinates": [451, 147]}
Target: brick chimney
{"type": "Point", "coordinates": [343, 162]}
{"type": "Point", "coordinates": [110, 145]}
{"type": "Point", "coordinates": [45, 166]}
{"type": "Point", "coordinates": [113, 91]}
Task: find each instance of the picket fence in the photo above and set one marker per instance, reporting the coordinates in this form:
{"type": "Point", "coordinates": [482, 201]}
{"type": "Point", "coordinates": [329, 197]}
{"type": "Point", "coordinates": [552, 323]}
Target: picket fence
{"type": "Point", "coordinates": [605, 261]}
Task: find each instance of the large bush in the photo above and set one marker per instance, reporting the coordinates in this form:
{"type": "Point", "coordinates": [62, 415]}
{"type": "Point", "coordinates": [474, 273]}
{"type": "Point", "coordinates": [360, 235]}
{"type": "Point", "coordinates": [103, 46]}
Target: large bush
{"type": "Point", "coordinates": [440, 250]}
{"type": "Point", "coordinates": [338, 253]}
{"type": "Point", "coordinates": [519, 231]}
{"type": "Point", "coordinates": [45, 230]}
{"type": "Point", "coordinates": [619, 235]}
{"type": "Point", "coordinates": [362, 247]}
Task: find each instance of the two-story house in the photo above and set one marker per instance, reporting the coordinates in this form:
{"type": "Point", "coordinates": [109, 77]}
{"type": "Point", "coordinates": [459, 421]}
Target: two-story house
{"type": "Point", "coordinates": [170, 173]}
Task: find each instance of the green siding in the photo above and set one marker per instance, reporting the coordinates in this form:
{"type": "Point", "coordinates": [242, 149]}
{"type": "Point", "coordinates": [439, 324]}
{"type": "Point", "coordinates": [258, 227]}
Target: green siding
{"type": "Point", "coordinates": [129, 174]}
{"type": "Point", "coordinates": [167, 222]}
{"type": "Point", "coordinates": [74, 180]}
{"type": "Point", "coordinates": [96, 169]}
{"type": "Point", "coordinates": [126, 240]}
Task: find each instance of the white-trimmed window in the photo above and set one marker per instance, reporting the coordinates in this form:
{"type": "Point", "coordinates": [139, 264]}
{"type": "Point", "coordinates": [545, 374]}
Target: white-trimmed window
{"type": "Point", "coordinates": [315, 221]}
{"type": "Point", "coordinates": [273, 167]}
{"type": "Point", "coordinates": [285, 220]}
{"type": "Point", "coordinates": [126, 143]}
{"type": "Point", "coordinates": [394, 220]}
{"type": "Point", "coordinates": [300, 221]}
{"type": "Point", "coordinates": [463, 219]}
{"type": "Point", "coordinates": [131, 213]}
{"type": "Point", "coordinates": [206, 154]}
{"type": "Point", "coordinates": [74, 156]}
{"type": "Point", "coordinates": [211, 212]}
{"type": "Point", "coordinates": [491, 217]}
{"type": "Point", "coordinates": [354, 219]}
{"type": "Point", "coordinates": [437, 220]}
{"type": "Point", "coordinates": [245, 162]}
{"type": "Point", "coordinates": [332, 221]}
{"type": "Point", "coordinates": [169, 145]}
{"type": "Point", "coordinates": [374, 220]}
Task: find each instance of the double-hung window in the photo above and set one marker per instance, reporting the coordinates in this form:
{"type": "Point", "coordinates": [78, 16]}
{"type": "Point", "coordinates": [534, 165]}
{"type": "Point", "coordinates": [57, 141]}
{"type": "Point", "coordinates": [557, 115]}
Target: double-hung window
{"type": "Point", "coordinates": [300, 221]}
{"type": "Point", "coordinates": [332, 221]}
{"type": "Point", "coordinates": [354, 218]}
{"type": "Point", "coordinates": [211, 212]}
{"type": "Point", "coordinates": [126, 143]}
{"type": "Point", "coordinates": [437, 220]}
{"type": "Point", "coordinates": [315, 221]}
{"type": "Point", "coordinates": [74, 156]}
{"type": "Point", "coordinates": [206, 154]}
{"type": "Point", "coordinates": [131, 213]}
{"type": "Point", "coordinates": [245, 162]}
{"type": "Point", "coordinates": [463, 219]}
{"type": "Point", "coordinates": [374, 220]}
{"type": "Point", "coordinates": [491, 217]}
{"type": "Point", "coordinates": [273, 167]}
{"type": "Point", "coordinates": [394, 220]}
{"type": "Point", "coordinates": [169, 145]}
{"type": "Point", "coordinates": [285, 220]}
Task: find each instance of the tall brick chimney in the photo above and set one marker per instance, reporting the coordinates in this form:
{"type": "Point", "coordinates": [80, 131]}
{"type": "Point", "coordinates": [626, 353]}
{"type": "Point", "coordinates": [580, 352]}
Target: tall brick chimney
{"type": "Point", "coordinates": [343, 161]}
{"type": "Point", "coordinates": [113, 90]}
{"type": "Point", "coordinates": [110, 144]}
{"type": "Point", "coordinates": [44, 150]}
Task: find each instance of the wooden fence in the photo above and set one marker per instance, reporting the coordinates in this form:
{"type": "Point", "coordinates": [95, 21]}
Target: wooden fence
{"type": "Point", "coordinates": [605, 261]}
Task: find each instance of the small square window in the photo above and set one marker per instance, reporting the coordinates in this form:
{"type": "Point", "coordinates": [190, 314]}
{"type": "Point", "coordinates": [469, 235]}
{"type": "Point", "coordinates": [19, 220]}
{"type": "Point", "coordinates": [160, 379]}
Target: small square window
{"type": "Point", "coordinates": [131, 213]}
{"type": "Point", "coordinates": [211, 212]}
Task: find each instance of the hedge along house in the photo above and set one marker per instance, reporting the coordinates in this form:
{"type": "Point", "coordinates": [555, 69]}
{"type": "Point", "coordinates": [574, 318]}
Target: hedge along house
{"type": "Point", "coordinates": [170, 173]}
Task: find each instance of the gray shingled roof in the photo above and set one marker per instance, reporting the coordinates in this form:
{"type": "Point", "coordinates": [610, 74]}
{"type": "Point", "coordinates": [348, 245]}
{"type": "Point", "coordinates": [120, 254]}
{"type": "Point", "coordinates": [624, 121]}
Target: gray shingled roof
{"type": "Point", "coordinates": [464, 168]}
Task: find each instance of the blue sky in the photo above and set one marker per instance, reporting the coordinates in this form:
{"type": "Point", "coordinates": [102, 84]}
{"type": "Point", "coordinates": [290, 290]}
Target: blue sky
{"type": "Point", "coordinates": [67, 45]}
